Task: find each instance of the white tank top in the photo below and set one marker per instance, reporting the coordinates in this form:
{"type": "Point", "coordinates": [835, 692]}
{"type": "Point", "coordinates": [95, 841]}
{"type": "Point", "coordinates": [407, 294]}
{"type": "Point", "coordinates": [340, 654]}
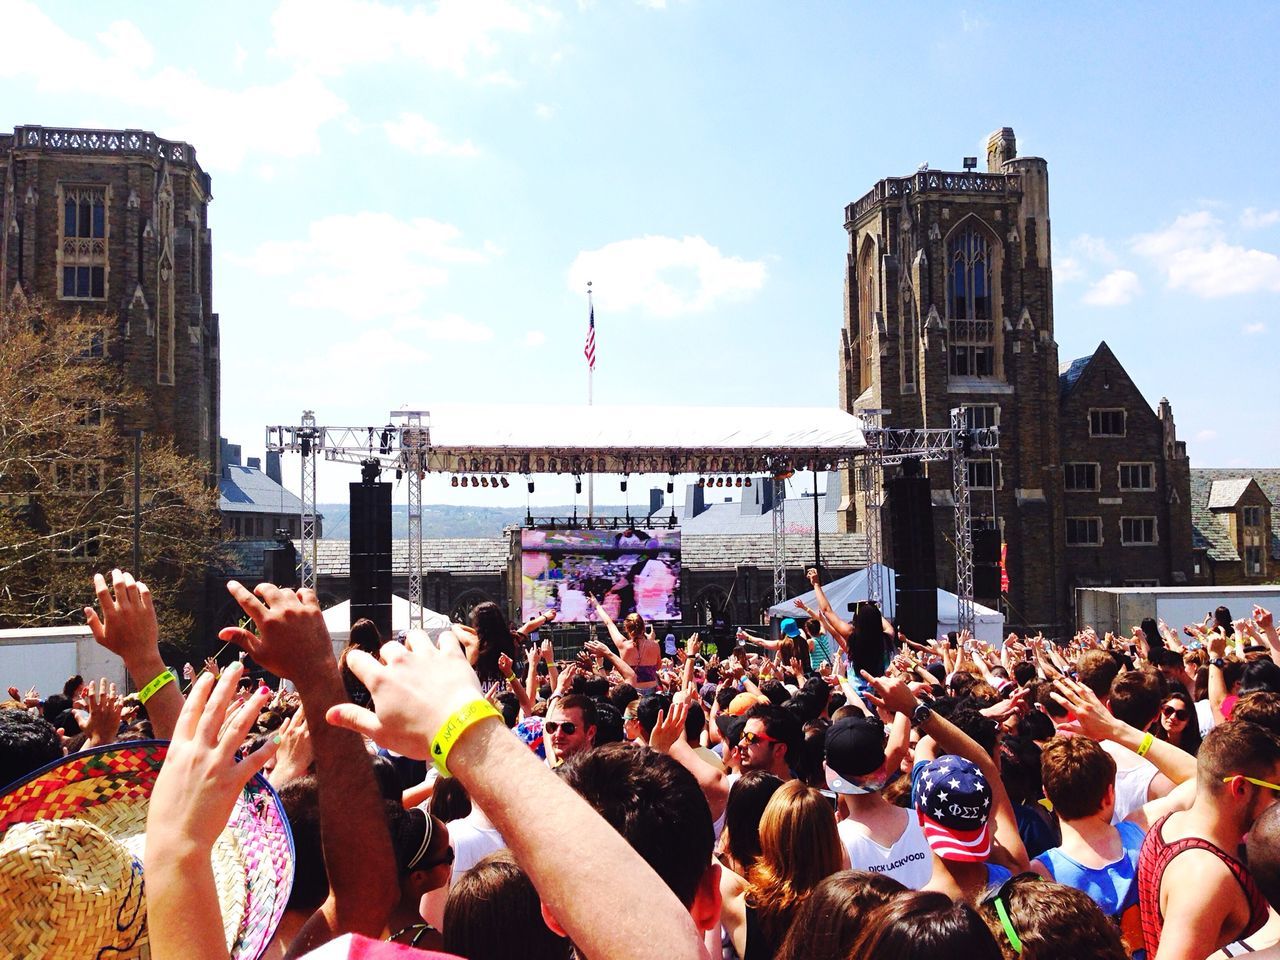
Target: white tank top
{"type": "Point", "coordinates": [909, 860]}
{"type": "Point", "coordinates": [1132, 787]}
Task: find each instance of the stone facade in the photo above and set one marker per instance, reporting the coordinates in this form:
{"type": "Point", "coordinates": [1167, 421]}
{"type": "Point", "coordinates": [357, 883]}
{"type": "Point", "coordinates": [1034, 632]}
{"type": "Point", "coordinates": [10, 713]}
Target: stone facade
{"type": "Point", "coordinates": [1236, 517]}
{"type": "Point", "coordinates": [117, 221]}
{"type": "Point", "coordinates": [949, 303]}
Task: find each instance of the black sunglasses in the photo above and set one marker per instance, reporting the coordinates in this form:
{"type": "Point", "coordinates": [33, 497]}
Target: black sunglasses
{"type": "Point", "coordinates": [1175, 712]}
{"type": "Point", "coordinates": [568, 726]}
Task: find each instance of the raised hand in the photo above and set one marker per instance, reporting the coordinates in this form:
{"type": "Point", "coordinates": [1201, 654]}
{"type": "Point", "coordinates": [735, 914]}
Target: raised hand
{"type": "Point", "coordinates": [291, 639]}
{"type": "Point", "coordinates": [1094, 719]}
{"type": "Point", "coordinates": [548, 652]}
{"type": "Point", "coordinates": [505, 666]}
{"type": "Point", "coordinates": [669, 727]}
{"type": "Point", "coordinates": [296, 754]}
{"type": "Point", "coordinates": [211, 666]}
{"type": "Point", "coordinates": [127, 625]}
{"type": "Point", "coordinates": [104, 707]}
{"type": "Point", "coordinates": [1217, 644]}
{"type": "Point", "coordinates": [414, 692]}
{"type": "Point", "coordinates": [891, 694]}
{"type": "Point", "coordinates": [812, 576]}
{"type": "Point", "coordinates": [1263, 618]}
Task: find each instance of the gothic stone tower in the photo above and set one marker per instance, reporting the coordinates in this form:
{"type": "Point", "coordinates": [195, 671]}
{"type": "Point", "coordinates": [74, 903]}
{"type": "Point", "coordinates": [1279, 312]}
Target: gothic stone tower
{"type": "Point", "coordinates": [949, 302]}
{"type": "Point", "coordinates": [117, 221]}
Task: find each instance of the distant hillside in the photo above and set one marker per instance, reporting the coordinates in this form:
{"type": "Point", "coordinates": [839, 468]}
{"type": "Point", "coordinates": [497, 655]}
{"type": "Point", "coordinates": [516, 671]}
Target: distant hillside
{"type": "Point", "coordinates": [444, 521]}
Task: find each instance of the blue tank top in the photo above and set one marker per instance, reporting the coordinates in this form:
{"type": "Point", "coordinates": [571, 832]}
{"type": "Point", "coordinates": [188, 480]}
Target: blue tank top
{"type": "Point", "coordinates": [1114, 887]}
{"type": "Point", "coordinates": [997, 875]}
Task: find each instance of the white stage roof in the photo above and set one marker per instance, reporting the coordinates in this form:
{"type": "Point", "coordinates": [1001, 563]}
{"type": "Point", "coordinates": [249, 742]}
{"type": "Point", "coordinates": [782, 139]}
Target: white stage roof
{"type": "Point", "coordinates": [605, 439]}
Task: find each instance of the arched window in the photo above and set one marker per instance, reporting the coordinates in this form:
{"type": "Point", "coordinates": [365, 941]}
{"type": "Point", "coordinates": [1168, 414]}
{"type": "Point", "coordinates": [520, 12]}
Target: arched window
{"type": "Point", "coordinates": [866, 315]}
{"type": "Point", "coordinates": [910, 337]}
{"type": "Point", "coordinates": [970, 306]}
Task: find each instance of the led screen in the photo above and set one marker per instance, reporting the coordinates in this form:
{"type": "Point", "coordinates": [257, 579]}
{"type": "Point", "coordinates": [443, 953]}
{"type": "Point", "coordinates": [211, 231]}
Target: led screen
{"type": "Point", "coordinates": [628, 571]}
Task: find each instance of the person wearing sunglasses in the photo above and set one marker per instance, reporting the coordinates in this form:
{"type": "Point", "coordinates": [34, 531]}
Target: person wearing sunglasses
{"type": "Point", "coordinates": [1177, 723]}
{"type": "Point", "coordinates": [425, 858]}
{"type": "Point", "coordinates": [1195, 895]}
{"type": "Point", "coordinates": [570, 727]}
{"type": "Point", "coordinates": [771, 738]}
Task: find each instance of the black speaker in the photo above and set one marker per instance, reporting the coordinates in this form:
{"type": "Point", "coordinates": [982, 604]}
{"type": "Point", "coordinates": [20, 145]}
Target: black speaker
{"type": "Point", "coordinates": [986, 563]}
{"type": "Point", "coordinates": [986, 546]}
{"type": "Point", "coordinates": [916, 585]}
{"type": "Point", "coordinates": [280, 565]}
{"type": "Point", "coordinates": [371, 554]}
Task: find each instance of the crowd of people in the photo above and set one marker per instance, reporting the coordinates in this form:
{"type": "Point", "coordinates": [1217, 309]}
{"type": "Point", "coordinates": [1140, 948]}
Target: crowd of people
{"type": "Point", "coordinates": [838, 791]}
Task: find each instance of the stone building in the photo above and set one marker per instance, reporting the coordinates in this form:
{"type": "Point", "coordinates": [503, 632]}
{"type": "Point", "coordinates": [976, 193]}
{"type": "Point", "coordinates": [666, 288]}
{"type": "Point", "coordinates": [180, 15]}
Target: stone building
{"type": "Point", "coordinates": [949, 303]}
{"type": "Point", "coordinates": [117, 221]}
{"type": "Point", "coordinates": [1236, 526]}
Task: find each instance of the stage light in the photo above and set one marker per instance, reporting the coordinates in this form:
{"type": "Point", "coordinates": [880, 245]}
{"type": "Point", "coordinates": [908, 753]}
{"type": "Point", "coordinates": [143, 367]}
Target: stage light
{"type": "Point", "coordinates": [747, 482]}
{"type": "Point", "coordinates": [493, 482]}
{"type": "Point", "coordinates": [505, 484]}
{"type": "Point", "coordinates": [671, 486]}
{"type": "Point", "coordinates": [701, 482]}
{"type": "Point", "coordinates": [738, 482]}
{"type": "Point", "coordinates": [484, 481]}
{"type": "Point", "coordinates": [577, 485]}
{"type": "Point", "coordinates": [624, 484]}
{"type": "Point", "coordinates": [453, 481]}
{"type": "Point", "coordinates": [531, 486]}
{"type": "Point", "coordinates": [475, 464]}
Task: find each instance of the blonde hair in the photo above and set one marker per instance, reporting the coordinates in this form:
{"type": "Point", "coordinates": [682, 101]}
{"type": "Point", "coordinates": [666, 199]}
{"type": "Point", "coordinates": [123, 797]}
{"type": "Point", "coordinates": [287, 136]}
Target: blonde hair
{"type": "Point", "coordinates": [799, 848]}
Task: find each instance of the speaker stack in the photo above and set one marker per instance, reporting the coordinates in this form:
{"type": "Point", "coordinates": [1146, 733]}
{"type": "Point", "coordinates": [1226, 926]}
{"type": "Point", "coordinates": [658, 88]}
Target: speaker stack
{"type": "Point", "coordinates": [371, 554]}
{"type": "Point", "coordinates": [986, 565]}
{"type": "Point", "coordinates": [280, 565]}
{"type": "Point", "coordinates": [915, 593]}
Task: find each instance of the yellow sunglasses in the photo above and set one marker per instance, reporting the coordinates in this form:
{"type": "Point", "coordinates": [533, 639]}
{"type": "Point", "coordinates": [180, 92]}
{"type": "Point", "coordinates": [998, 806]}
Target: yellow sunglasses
{"type": "Point", "coordinates": [1253, 780]}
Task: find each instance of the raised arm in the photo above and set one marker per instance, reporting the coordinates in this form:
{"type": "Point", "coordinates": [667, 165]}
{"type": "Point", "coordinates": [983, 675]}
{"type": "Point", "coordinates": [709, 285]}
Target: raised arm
{"type": "Point", "coordinates": [840, 627]}
{"type": "Point", "coordinates": [620, 640]}
{"type": "Point", "coordinates": [668, 737]}
{"type": "Point", "coordinates": [608, 900]}
{"type": "Point", "coordinates": [625, 670]}
{"type": "Point", "coordinates": [897, 696]}
{"type": "Point", "coordinates": [128, 628]}
{"type": "Point", "coordinates": [536, 623]}
{"type": "Point", "coordinates": [292, 642]}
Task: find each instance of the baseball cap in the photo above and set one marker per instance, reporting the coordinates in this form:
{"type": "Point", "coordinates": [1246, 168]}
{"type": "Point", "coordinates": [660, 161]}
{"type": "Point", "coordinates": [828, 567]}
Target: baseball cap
{"type": "Point", "coordinates": [953, 800]}
{"type": "Point", "coordinates": [744, 702]}
{"type": "Point", "coordinates": [789, 627]}
{"type": "Point", "coordinates": [853, 749]}
{"type": "Point", "coordinates": [731, 728]}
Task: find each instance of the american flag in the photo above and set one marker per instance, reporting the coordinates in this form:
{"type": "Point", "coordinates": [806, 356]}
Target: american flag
{"type": "Point", "coordinates": [589, 348]}
{"type": "Point", "coordinates": [953, 801]}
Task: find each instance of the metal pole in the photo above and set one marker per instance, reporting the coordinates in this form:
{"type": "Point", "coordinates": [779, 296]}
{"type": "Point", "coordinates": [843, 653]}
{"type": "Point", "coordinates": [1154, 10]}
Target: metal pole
{"type": "Point", "coordinates": [779, 537]}
{"type": "Point", "coordinates": [817, 543]}
{"type": "Point", "coordinates": [963, 521]}
{"type": "Point", "coordinates": [591, 372]}
{"type": "Point", "coordinates": [137, 503]}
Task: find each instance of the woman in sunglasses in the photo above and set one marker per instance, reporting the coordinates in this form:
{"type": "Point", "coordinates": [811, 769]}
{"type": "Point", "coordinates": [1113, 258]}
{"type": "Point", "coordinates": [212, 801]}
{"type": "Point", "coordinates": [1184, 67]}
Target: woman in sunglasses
{"type": "Point", "coordinates": [1177, 723]}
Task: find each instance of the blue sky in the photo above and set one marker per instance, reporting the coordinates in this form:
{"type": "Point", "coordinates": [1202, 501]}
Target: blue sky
{"type": "Point", "coordinates": [410, 198]}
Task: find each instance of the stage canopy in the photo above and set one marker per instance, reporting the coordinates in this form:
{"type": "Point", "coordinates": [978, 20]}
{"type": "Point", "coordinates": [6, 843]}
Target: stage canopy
{"type": "Point", "coordinates": [640, 439]}
{"type": "Point", "coordinates": [988, 625]}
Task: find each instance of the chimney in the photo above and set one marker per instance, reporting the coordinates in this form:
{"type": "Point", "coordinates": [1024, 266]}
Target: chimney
{"type": "Point", "coordinates": [1002, 146]}
{"type": "Point", "coordinates": [273, 467]}
{"type": "Point", "coordinates": [694, 503]}
{"type": "Point", "coordinates": [255, 463]}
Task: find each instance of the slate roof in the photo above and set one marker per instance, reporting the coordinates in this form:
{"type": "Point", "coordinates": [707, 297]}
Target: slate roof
{"type": "Point", "coordinates": [1208, 532]}
{"type": "Point", "coordinates": [1069, 374]}
{"type": "Point", "coordinates": [488, 556]}
{"type": "Point", "coordinates": [249, 490]}
{"type": "Point", "coordinates": [1225, 494]}
{"type": "Point", "coordinates": [724, 519]}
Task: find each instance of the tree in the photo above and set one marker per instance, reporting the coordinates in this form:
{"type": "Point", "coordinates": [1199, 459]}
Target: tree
{"type": "Point", "coordinates": [66, 478]}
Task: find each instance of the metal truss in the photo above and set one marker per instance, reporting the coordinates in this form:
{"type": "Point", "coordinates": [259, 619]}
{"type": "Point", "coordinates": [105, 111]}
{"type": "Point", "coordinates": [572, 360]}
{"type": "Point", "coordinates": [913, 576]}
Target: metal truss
{"type": "Point", "coordinates": [779, 517]}
{"type": "Point", "coordinates": [887, 447]}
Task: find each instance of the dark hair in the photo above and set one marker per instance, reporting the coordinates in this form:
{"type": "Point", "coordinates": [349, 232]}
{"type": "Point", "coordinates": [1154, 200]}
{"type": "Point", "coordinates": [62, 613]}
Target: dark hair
{"type": "Point", "coordinates": [585, 705]}
{"type": "Point", "coordinates": [387, 775]}
{"type": "Point", "coordinates": [647, 711]}
{"type": "Point", "coordinates": [1076, 773]}
{"type": "Point", "coordinates": [597, 688]}
{"type": "Point", "coordinates": [450, 800]}
{"type": "Point", "coordinates": [1237, 747]}
{"type": "Point", "coordinates": [27, 743]}
{"type": "Point", "coordinates": [924, 925]}
{"type": "Point", "coordinates": [775, 691]}
{"type": "Point", "coordinates": [1036, 726]}
{"type": "Point", "coordinates": [1260, 675]}
{"type": "Point", "coordinates": [1020, 769]}
{"type": "Point", "coordinates": [495, 637]}
{"type": "Point", "coordinates": [509, 704]}
{"type": "Point", "coordinates": [1222, 619]}
{"type": "Point", "coordinates": [781, 726]}
{"type": "Point", "coordinates": [623, 695]}
{"type": "Point", "coordinates": [748, 797]}
{"type": "Point", "coordinates": [967, 717]}
{"type": "Point", "coordinates": [695, 721]}
{"type": "Point", "coordinates": [494, 912]}
{"type": "Point", "coordinates": [830, 918]}
{"type": "Point", "coordinates": [300, 798]}
{"type": "Point", "coordinates": [655, 804]}
{"type": "Point", "coordinates": [1024, 671]}
{"type": "Point", "coordinates": [608, 723]}
{"type": "Point", "coordinates": [1135, 697]}
{"type": "Point", "coordinates": [54, 705]}
{"type": "Point", "coordinates": [72, 686]}
{"type": "Point", "coordinates": [1190, 740]}
{"type": "Point", "coordinates": [867, 644]}
{"type": "Point", "coordinates": [1097, 670]}
{"type": "Point", "coordinates": [364, 636]}
{"type": "Point", "coordinates": [1152, 631]}
{"type": "Point", "coordinates": [1261, 708]}
{"type": "Point", "coordinates": [724, 697]}
{"type": "Point", "coordinates": [1053, 921]}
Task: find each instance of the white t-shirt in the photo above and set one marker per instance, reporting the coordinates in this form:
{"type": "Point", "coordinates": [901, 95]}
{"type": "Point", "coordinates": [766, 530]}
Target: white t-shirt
{"type": "Point", "coordinates": [909, 860]}
{"type": "Point", "coordinates": [1133, 780]}
{"type": "Point", "coordinates": [473, 838]}
{"type": "Point", "coordinates": [1204, 717]}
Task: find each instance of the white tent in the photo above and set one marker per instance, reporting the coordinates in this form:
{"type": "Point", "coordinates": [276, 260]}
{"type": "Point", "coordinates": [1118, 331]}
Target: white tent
{"type": "Point", "coordinates": [988, 624]}
{"type": "Point", "coordinates": [338, 619]}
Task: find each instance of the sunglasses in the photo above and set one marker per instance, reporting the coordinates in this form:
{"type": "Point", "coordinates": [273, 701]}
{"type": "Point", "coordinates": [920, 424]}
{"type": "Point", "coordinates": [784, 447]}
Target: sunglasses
{"type": "Point", "coordinates": [749, 738]}
{"type": "Point", "coordinates": [629, 718]}
{"type": "Point", "coordinates": [1175, 713]}
{"type": "Point", "coordinates": [443, 861]}
{"type": "Point", "coordinates": [567, 726]}
{"type": "Point", "coordinates": [1274, 788]}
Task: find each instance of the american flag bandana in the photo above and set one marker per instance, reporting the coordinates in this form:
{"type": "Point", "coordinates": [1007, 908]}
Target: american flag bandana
{"type": "Point", "coordinates": [953, 800]}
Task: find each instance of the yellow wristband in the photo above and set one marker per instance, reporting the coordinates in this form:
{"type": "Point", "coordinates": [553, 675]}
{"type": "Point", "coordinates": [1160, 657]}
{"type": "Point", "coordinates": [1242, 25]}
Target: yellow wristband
{"type": "Point", "coordinates": [459, 723]}
{"type": "Point", "coordinates": [1145, 745]}
{"type": "Point", "coordinates": [146, 693]}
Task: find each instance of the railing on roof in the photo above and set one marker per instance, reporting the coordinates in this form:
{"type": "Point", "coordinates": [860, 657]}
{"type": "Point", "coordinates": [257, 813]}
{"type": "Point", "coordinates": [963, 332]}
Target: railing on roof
{"type": "Point", "coordinates": [933, 181]}
{"type": "Point", "coordinates": [117, 142]}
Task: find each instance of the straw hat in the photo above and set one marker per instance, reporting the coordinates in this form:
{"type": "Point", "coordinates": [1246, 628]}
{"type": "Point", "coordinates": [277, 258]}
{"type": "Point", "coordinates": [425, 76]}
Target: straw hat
{"type": "Point", "coordinates": [71, 842]}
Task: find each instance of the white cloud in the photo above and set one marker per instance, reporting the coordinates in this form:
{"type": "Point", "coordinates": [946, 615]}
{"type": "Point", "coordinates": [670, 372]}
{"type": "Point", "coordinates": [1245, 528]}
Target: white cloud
{"type": "Point", "coordinates": [224, 125]}
{"type": "Point", "coordinates": [1194, 254]}
{"type": "Point", "coordinates": [330, 36]}
{"type": "Point", "coordinates": [665, 276]}
{"type": "Point", "coordinates": [1114, 290]}
{"type": "Point", "coordinates": [417, 134]}
{"type": "Point", "coordinates": [1093, 248]}
{"type": "Point", "coordinates": [1206, 436]}
{"type": "Point", "coordinates": [365, 265]}
{"type": "Point", "coordinates": [535, 338]}
{"type": "Point", "coordinates": [451, 328]}
{"type": "Point", "coordinates": [1255, 328]}
{"type": "Point", "coordinates": [380, 349]}
{"type": "Point", "coordinates": [1068, 270]}
{"type": "Point", "coordinates": [544, 111]}
{"type": "Point", "coordinates": [1252, 219]}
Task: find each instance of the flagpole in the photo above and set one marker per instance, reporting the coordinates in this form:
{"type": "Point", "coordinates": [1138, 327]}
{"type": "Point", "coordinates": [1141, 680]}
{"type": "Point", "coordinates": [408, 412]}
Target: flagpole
{"type": "Point", "coordinates": [591, 372]}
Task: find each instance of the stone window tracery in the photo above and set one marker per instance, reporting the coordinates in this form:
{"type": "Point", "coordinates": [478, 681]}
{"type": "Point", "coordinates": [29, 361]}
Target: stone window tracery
{"type": "Point", "coordinates": [82, 253]}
